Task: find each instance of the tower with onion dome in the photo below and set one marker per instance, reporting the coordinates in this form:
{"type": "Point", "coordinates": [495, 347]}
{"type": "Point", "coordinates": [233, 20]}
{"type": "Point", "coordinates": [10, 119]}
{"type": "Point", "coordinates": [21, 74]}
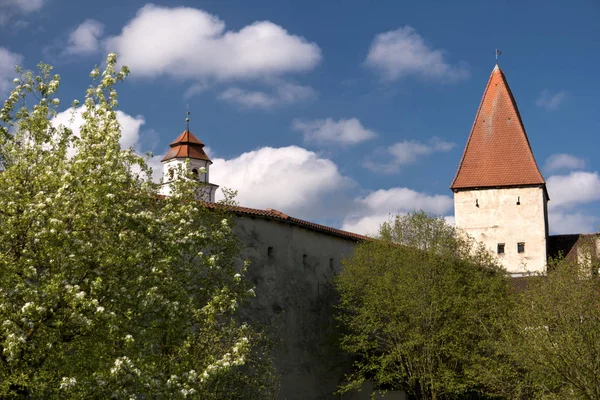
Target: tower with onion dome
{"type": "Point", "coordinates": [500, 196]}
{"type": "Point", "coordinates": [188, 146]}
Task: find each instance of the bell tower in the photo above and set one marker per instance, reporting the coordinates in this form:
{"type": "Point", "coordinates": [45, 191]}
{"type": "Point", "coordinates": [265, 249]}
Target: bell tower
{"type": "Point", "coordinates": [500, 196]}
{"type": "Point", "coordinates": [188, 146]}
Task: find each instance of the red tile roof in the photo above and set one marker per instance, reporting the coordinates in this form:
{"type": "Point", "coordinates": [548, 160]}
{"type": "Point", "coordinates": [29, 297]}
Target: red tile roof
{"type": "Point", "coordinates": [270, 213]}
{"type": "Point", "coordinates": [186, 146]}
{"type": "Point", "coordinates": [498, 152]}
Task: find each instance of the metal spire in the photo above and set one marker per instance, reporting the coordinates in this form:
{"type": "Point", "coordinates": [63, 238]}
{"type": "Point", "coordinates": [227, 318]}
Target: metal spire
{"type": "Point", "coordinates": [187, 119]}
{"type": "Point", "coordinates": [498, 53]}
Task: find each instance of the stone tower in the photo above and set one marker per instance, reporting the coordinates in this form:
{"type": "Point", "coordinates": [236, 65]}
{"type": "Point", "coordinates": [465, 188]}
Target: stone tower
{"type": "Point", "coordinates": [500, 196]}
{"type": "Point", "coordinates": [188, 146]}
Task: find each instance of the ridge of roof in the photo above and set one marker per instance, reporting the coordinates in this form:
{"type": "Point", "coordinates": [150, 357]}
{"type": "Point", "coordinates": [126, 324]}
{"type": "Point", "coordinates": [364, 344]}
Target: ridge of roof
{"type": "Point", "coordinates": [498, 152]}
{"type": "Point", "coordinates": [186, 137]}
{"type": "Point", "coordinates": [270, 213]}
{"type": "Point", "coordinates": [186, 145]}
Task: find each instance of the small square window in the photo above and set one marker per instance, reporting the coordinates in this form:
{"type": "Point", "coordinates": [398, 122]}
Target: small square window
{"type": "Point", "coordinates": [500, 248]}
{"type": "Point", "coordinates": [521, 247]}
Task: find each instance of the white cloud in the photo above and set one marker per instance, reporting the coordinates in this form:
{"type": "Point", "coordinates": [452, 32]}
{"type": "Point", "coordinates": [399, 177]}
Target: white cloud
{"type": "Point", "coordinates": [8, 61]}
{"type": "Point", "coordinates": [290, 179]}
{"type": "Point", "coordinates": [327, 131]}
{"type": "Point", "coordinates": [576, 188]}
{"type": "Point", "coordinates": [568, 195]}
{"type": "Point", "coordinates": [130, 126]}
{"type": "Point", "coordinates": [403, 52]}
{"type": "Point", "coordinates": [10, 8]}
{"type": "Point", "coordinates": [557, 162]}
{"type": "Point", "coordinates": [85, 38]}
{"type": "Point", "coordinates": [550, 101]}
{"type": "Point", "coordinates": [24, 6]}
{"type": "Point", "coordinates": [196, 89]}
{"type": "Point", "coordinates": [283, 94]}
{"type": "Point", "coordinates": [184, 42]}
{"type": "Point", "coordinates": [562, 222]}
{"type": "Point", "coordinates": [405, 153]}
{"type": "Point", "coordinates": [381, 205]}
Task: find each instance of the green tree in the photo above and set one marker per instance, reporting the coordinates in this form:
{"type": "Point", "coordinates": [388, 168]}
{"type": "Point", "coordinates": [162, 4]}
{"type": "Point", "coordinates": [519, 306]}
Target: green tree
{"type": "Point", "coordinates": [558, 329]}
{"type": "Point", "coordinates": [423, 311]}
{"type": "Point", "coordinates": [107, 290]}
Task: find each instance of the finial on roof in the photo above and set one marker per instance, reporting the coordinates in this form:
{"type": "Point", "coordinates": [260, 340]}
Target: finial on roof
{"type": "Point", "coordinates": [187, 119]}
{"type": "Point", "coordinates": [498, 53]}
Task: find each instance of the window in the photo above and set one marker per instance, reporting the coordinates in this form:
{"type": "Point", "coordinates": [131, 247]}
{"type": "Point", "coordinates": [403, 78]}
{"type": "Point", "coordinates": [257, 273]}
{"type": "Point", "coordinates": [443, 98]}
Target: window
{"type": "Point", "coordinates": [195, 173]}
{"type": "Point", "coordinates": [500, 248]}
{"type": "Point", "coordinates": [270, 252]}
{"type": "Point", "coordinates": [521, 247]}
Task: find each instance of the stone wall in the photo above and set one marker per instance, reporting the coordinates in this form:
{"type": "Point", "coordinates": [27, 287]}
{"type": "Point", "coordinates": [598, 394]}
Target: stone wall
{"type": "Point", "coordinates": [292, 268]}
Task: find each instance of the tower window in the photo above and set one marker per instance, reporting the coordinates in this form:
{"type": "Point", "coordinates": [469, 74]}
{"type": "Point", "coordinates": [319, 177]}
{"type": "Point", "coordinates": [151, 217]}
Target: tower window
{"type": "Point", "coordinates": [521, 247]}
{"type": "Point", "coordinates": [195, 173]}
{"type": "Point", "coordinates": [270, 252]}
{"type": "Point", "coordinates": [500, 248]}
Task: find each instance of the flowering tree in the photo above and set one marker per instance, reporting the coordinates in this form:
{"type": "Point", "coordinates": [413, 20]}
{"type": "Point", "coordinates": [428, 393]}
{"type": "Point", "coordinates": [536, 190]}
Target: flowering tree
{"type": "Point", "coordinates": [106, 290]}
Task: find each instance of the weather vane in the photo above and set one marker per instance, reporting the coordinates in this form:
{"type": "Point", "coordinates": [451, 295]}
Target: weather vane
{"type": "Point", "coordinates": [498, 53]}
{"type": "Point", "coordinates": [187, 119]}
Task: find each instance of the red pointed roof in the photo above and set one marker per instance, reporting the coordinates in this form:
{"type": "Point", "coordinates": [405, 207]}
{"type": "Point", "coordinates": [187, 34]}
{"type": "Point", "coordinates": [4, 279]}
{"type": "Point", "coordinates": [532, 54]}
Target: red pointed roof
{"type": "Point", "coordinates": [186, 146]}
{"type": "Point", "coordinates": [498, 152]}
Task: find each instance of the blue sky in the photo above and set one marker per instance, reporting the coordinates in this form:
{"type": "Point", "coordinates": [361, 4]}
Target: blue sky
{"type": "Point", "coordinates": [340, 112]}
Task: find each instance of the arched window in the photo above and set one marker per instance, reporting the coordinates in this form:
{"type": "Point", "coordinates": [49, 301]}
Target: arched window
{"type": "Point", "coordinates": [195, 173]}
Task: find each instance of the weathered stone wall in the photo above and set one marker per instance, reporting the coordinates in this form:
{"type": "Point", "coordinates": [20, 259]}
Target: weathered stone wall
{"type": "Point", "coordinates": [292, 268]}
{"type": "Point", "coordinates": [492, 216]}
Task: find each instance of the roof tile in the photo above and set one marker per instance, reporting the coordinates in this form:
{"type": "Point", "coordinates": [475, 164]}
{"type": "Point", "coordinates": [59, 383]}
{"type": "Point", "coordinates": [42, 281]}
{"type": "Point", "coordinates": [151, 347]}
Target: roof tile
{"type": "Point", "coordinates": [186, 146]}
{"type": "Point", "coordinates": [498, 152]}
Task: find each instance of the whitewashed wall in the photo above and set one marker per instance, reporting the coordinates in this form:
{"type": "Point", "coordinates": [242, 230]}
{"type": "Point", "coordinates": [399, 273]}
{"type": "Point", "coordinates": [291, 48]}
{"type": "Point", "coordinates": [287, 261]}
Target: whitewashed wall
{"type": "Point", "coordinates": [493, 216]}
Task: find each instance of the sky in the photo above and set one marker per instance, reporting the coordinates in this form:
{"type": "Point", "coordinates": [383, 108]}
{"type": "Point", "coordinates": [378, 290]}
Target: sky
{"type": "Point", "coordinates": [340, 112]}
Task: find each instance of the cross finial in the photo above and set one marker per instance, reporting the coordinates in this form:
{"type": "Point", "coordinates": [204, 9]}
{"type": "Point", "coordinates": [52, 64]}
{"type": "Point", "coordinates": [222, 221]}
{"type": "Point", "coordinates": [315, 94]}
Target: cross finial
{"type": "Point", "coordinates": [187, 119]}
{"type": "Point", "coordinates": [498, 53]}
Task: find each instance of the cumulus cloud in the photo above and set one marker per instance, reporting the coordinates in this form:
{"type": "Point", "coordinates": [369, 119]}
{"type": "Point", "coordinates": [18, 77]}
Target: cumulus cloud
{"type": "Point", "coordinates": [282, 94]}
{"type": "Point", "coordinates": [130, 126]}
{"type": "Point", "coordinates": [557, 162]}
{"type": "Point", "coordinates": [8, 61]}
{"type": "Point", "coordinates": [403, 52]}
{"type": "Point", "coordinates": [551, 101]}
{"type": "Point", "coordinates": [405, 153]}
{"type": "Point", "coordinates": [85, 38]}
{"type": "Point", "coordinates": [562, 222]}
{"type": "Point", "coordinates": [10, 8]}
{"type": "Point", "coordinates": [330, 132]}
{"type": "Point", "coordinates": [290, 179]}
{"type": "Point", "coordinates": [382, 205]}
{"type": "Point", "coordinates": [577, 188]}
{"type": "Point", "coordinates": [569, 194]}
{"type": "Point", "coordinates": [184, 42]}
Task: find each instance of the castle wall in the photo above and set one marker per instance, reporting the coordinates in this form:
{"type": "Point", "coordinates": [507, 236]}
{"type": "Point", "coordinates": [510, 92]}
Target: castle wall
{"type": "Point", "coordinates": [292, 268]}
{"type": "Point", "coordinates": [492, 216]}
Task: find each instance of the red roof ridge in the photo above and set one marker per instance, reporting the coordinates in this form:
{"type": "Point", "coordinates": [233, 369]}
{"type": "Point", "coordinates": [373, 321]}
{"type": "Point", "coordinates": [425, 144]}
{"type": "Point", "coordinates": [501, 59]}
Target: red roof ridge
{"type": "Point", "coordinates": [498, 152]}
{"type": "Point", "coordinates": [274, 211]}
{"type": "Point", "coordinates": [270, 213]}
{"type": "Point", "coordinates": [186, 137]}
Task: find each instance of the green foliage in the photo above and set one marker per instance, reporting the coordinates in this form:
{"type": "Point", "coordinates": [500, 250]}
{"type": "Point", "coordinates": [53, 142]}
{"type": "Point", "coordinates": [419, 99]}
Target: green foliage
{"type": "Point", "coordinates": [423, 310]}
{"type": "Point", "coordinates": [106, 290]}
{"type": "Point", "coordinates": [557, 335]}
